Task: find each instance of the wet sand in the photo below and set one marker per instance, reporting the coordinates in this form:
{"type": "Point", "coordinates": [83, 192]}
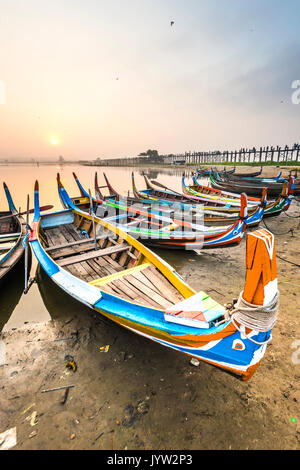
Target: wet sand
{"type": "Point", "coordinates": [140, 395]}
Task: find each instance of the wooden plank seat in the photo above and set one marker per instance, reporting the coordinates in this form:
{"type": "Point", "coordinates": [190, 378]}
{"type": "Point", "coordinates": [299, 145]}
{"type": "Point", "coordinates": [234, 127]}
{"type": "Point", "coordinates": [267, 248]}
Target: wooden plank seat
{"type": "Point", "coordinates": [89, 269]}
{"type": "Point", "coordinates": [105, 268]}
{"type": "Point", "coordinates": [94, 254]}
{"type": "Point", "coordinates": [61, 242]}
{"type": "Point", "coordinates": [75, 243]}
{"type": "Point", "coordinates": [117, 275]}
{"type": "Point", "coordinates": [142, 284]}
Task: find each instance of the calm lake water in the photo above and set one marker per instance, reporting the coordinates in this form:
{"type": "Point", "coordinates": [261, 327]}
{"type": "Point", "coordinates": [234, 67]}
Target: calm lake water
{"type": "Point", "coordinates": [44, 300]}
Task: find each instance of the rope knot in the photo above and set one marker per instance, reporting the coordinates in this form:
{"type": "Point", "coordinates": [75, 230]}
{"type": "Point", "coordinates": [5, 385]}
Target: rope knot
{"type": "Point", "coordinates": [260, 318]}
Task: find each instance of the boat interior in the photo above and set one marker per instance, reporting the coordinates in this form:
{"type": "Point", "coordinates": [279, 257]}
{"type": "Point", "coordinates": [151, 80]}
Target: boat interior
{"type": "Point", "coordinates": [9, 232]}
{"type": "Point", "coordinates": [102, 258]}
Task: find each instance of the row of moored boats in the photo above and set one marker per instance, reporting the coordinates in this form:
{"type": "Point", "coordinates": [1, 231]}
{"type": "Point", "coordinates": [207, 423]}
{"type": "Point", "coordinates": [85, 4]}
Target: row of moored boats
{"type": "Point", "coordinates": [98, 249]}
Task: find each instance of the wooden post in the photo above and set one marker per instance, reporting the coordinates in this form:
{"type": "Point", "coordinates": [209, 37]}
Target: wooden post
{"type": "Point", "coordinates": [279, 151]}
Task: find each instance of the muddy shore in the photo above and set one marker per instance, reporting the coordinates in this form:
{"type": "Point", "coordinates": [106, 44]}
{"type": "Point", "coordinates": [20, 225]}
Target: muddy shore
{"type": "Point", "coordinates": [140, 395]}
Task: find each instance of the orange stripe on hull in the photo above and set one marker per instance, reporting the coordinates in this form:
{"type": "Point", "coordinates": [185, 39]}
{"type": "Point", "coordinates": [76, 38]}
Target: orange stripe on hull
{"type": "Point", "coordinates": [182, 340]}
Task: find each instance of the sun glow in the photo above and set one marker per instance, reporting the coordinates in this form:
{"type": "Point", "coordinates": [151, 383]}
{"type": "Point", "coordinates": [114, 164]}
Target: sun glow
{"type": "Point", "coordinates": [54, 141]}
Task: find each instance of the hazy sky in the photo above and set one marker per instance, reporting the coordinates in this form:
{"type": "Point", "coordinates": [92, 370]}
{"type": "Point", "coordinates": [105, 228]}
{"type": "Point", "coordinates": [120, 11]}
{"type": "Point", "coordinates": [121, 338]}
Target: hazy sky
{"type": "Point", "coordinates": [89, 78]}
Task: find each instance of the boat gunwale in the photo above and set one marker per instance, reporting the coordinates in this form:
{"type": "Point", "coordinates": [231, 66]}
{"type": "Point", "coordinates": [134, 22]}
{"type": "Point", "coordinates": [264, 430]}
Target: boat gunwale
{"type": "Point", "coordinates": [13, 213]}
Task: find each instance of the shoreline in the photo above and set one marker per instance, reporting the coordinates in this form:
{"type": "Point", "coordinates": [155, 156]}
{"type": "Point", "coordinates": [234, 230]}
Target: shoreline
{"type": "Point", "coordinates": [187, 166]}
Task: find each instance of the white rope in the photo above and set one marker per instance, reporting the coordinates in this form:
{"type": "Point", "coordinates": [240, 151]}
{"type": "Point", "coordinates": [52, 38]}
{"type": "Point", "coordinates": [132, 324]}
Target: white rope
{"type": "Point", "coordinates": [260, 318]}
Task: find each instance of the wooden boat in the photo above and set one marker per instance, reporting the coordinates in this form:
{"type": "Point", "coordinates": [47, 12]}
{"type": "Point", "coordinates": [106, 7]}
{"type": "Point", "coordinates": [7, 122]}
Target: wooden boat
{"type": "Point", "coordinates": [129, 284]}
{"type": "Point", "coordinates": [207, 195]}
{"type": "Point", "coordinates": [257, 179]}
{"type": "Point", "coordinates": [273, 208]}
{"type": "Point", "coordinates": [171, 195]}
{"type": "Point", "coordinates": [201, 192]}
{"type": "Point", "coordinates": [12, 233]}
{"type": "Point", "coordinates": [197, 187]}
{"type": "Point", "coordinates": [212, 216]}
{"type": "Point", "coordinates": [179, 210]}
{"type": "Point", "coordinates": [250, 174]}
{"type": "Point", "coordinates": [155, 229]}
{"type": "Point", "coordinates": [274, 189]}
{"type": "Point", "coordinates": [202, 172]}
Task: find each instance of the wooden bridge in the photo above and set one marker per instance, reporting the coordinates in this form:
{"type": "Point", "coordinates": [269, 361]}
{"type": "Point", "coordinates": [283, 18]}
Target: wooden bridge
{"type": "Point", "coordinates": [261, 155]}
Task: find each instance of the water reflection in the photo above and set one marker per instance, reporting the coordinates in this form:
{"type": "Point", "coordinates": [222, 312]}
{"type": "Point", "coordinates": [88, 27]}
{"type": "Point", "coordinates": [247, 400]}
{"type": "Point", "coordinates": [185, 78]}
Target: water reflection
{"type": "Point", "coordinates": [58, 304]}
{"type": "Point", "coordinates": [151, 173]}
{"type": "Point", "coordinates": [11, 290]}
{"type": "Point", "coordinates": [45, 299]}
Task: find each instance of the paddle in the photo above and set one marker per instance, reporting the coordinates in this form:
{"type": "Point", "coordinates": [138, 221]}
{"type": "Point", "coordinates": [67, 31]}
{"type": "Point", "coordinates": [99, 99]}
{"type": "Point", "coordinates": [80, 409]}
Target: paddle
{"type": "Point", "coordinates": [26, 248]}
{"type": "Point", "coordinates": [30, 211]}
{"type": "Point", "coordinates": [93, 219]}
{"type": "Point", "coordinates": [164, 187]}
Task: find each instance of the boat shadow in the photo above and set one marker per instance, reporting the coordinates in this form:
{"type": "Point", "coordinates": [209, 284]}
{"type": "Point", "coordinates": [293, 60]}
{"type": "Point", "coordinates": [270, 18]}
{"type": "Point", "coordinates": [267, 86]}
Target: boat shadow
{"type": "Point", "coordinates": [64, 309]}
{"type": "Point", "coordinates": [11, 290]}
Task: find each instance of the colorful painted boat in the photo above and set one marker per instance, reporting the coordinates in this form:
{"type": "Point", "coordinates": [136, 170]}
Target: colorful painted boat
{"type": "Point", "coordinates": [198, 187]}
{"type": "Point", "coordinates": [169, 195]}
{"type": "Point", "coordinates": [181, 211]}
{"type": "Point", "coordinates": [12, 233]}
{"type": "Point", "coordinates": [250, 174]}
{"type": "Point", "coordinates": [155, 229]}
{"type": "Point", "coordinates": [272, 208]}
{"type": "Point", "coordinates": [274, 189]}
{"type": "Point", "coordinates": [211, 214]}
{"type": "Point", "coordinates": [126, 282]}
{"type": "Point", "coordinates": [257, 179]}
{"type": "Point", "coordinates": [213, 194]}
{"type": "Point", "coordinates": [202, 172]}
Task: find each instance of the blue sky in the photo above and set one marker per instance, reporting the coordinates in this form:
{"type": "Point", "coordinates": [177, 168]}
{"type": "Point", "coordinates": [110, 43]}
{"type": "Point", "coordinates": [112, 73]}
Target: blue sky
{"type": "Point", "coordinates": [115, 78]}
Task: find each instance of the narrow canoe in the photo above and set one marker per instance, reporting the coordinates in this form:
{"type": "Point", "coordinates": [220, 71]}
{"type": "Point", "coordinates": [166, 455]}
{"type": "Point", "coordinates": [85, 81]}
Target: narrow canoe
{"type": "Point", "coordinates": [170, 195]}
{"type": "Point", "coordinates": [250, 174]}
{"type": "Point", "coordinates": [272, 208]}
{"type": "Point", "coordinates": [257, 179]}
{"type": "Point", "coordinates": [212, 216]}
{"type": "Point", "coordinates": [179, 210]}
{"type": "Point", "coordinates": [155, 229]}
{"type": "Point", "coordinates": [274, 189]}
{"type": "Point", "coordinates": [129, 284]}
{"type": "Point", "coordinates": [12, 233]}
{"type": "Point", "coordinates": [204, 172]}
{"type": "Point", "coordinates": [201, 191]}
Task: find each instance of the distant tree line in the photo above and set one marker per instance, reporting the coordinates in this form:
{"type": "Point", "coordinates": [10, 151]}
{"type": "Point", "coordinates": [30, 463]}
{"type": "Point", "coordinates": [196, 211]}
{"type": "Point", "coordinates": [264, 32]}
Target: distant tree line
{"type": "Point", "coordinates": [152, 155]}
